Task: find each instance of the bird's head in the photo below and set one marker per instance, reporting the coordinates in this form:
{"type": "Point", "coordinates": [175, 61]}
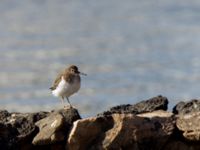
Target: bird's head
{"type": "Point", "coordinates": [74, 70]}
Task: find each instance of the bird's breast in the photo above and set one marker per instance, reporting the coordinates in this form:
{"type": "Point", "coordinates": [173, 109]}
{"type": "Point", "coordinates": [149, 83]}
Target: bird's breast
{"type": "Point", "coordinates": [65, 88]}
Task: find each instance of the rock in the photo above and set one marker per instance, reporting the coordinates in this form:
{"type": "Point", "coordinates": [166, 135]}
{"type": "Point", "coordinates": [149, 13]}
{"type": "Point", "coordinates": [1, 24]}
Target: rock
{"type": "Point", "coordinates": [187, 107]}
{"type": "Point", "coordinates": [181, 145]}
{"type": "Point", "coordinates": [143, 126]}
{"type": "Point", "coordinates": [8, 139]}
{"type": "Point", "coordinates": [7, 132]}
{"type": "Point", "coordinates": [86, 131]}
{"type": "Point", "coordinates": [25, 123]}
{"type": "Point", "coordinates": [190, 125]}
{"type": "Point", "coordinates": [49, 130]}
{"type": "Point", "coordinates": [55, 127]}
{"type": "Point", "coordinates": [4, 115]}
{"type": "Point", "coordinates": [18, 128]}
{"type": "Point", "coordinates": [155, 103]}
{"type": "Point", "coordinates": [157, 113]}
{"type": "Point", "coordinates": [70, 115]}
{"type": "Point", "coordinates": [147, 132]}
{"type": "Point", "coordinates": [122, 131]}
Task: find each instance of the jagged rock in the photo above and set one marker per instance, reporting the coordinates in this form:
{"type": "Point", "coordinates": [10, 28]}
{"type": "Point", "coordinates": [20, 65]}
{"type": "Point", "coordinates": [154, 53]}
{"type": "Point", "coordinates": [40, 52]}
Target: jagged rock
{"type": "Point", "coordinates": [7, 133]}
{"type": "Point", "coordinates": [49, 130]}
{"type": "Point", "coordinates": [144, 131]}
{"type": "Point", "coordinates": [4, 115]}
{"type": "Point", "coordinates": [55, 127]}
{"type": "Point", "coordinates": [123, 131]}
{"type": "Point", "coordinates": [7, 136]}
{"type": "Point", "coordinates": [25, 123]}
{"type": "Point", "coordinates": [155, 103]}
{"type": "Point", "coordinates": [124, 127]}
{"type": "Point", "coordinates": [190, 125]}
{"type": "Point", "coordinates": [187, 107]}
{"type": "Point", "coordinates": [18, 128]}
{"type": "Point", "coordinates": [86, 131]}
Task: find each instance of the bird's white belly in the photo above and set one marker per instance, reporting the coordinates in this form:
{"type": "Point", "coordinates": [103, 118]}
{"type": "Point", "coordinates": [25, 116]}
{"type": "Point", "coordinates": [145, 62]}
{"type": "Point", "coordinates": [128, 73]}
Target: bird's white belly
{"type": "Point", "coordinates": [65, 89]}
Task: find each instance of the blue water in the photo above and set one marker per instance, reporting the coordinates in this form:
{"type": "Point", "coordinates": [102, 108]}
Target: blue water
{"type": "Point", "coordinates": [131, 50]}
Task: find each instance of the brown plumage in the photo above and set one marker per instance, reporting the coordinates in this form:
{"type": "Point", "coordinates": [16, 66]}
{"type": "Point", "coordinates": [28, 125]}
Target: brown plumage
{"type": "Point", "coordinates": [67, 74]}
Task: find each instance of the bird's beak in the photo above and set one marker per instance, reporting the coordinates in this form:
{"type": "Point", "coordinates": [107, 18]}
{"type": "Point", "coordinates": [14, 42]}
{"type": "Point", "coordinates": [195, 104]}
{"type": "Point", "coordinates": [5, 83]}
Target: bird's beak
{"type": "Point", "coordinates": [81, 73]}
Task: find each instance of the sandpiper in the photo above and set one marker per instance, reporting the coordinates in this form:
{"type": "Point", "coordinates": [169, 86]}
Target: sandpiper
{"type": "Point", "coordinates": [67, 83]}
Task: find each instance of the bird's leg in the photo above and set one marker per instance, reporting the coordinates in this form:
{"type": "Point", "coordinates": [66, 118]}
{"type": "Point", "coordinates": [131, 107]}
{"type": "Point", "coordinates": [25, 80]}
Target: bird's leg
{"type": "Point", "coordinates": [69, 102]}
{"type": "Point", "coordinates": [62, 100]}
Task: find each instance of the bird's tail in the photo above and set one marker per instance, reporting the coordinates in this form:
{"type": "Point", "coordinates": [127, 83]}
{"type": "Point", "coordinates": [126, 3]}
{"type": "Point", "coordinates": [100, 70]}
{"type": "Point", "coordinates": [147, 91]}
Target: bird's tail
{"type": "Point", "coordinates": [52, 88]}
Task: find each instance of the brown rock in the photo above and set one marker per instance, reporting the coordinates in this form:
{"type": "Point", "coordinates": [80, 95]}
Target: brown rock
{"type": "Point", "coordinates": [147, 132]}
{"type": "Point", "coordinates": [121, 134]}
{"type": "Point", "coordinates": [55, 127]}
{"type": "Point", "coordinates": [48, 127]}
{"type": "Point", "coordinates": [158, 113]}
{"type": "Point", "coordinates": [190, 125]}
{"type": "Point", "coordinates": [122, 131]}
{"type": "Point", "coordinates": [86, 131]}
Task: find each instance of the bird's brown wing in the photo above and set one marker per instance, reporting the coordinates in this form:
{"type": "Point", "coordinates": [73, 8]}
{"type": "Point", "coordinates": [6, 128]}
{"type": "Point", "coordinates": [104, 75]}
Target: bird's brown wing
{"type": "Point", "coordinates": [57, 81]}
{"type": "Point", "coordinates": [68, 77]}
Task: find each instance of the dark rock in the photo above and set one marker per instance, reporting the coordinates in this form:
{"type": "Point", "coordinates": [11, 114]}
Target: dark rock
{"type": "Point", "coordinates": [187, 107]}
{"type": "Point", "coordinates": [55, 127]}
{"type": "Point", "coordinates": [189, 124]}
{"type": "Point", "coordinates": [7, 132]}
{"type": "Point", "coordinates": [25, 123]}
{"type": "Point", "coordinates": [4, 115]}
{"type": "Point", "coordinates": [155, 103]}
{"type": "Point", "coordinates": [18, 128]}
{"type": "Point", "coordinates": [181, 145]}
{"type": "Point", "coordinates": [8, 139]}
{"type": "Point", "coordinates": [70, 115]}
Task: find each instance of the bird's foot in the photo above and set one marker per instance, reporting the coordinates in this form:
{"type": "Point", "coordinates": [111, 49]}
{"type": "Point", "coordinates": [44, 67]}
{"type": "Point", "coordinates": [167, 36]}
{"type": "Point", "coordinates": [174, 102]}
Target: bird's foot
{"type": "Point", "coordinates": [68, 106]}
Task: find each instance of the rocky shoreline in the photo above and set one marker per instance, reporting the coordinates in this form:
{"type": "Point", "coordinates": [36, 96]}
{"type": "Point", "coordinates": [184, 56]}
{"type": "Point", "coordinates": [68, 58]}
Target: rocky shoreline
{"type": "Point", "coordinates": [146, 125]}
